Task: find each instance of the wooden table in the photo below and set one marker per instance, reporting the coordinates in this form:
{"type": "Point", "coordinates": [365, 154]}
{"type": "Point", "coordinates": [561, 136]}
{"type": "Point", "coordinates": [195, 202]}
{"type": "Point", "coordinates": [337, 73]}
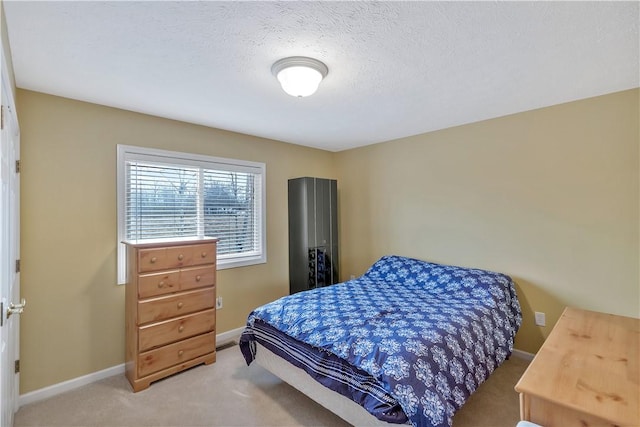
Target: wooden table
{"type": "Point", "coordinates": [586, 373]}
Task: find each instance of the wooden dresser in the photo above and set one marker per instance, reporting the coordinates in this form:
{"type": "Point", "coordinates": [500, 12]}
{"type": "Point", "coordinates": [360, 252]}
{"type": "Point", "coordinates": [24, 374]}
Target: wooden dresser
{"type": "Point", "coordinates": [586, 373]}
{"type": "Point", "coordinates": [170, 312]}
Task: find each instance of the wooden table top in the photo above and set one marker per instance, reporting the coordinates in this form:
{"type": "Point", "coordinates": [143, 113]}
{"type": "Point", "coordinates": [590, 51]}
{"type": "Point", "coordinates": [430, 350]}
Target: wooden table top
{"type": "Point", "coordinates": [589, 363]}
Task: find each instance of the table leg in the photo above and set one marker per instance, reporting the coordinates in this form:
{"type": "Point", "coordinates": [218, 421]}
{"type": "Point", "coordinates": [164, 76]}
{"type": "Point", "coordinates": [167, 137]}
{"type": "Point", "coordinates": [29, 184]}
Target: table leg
{"type": "Point", "coordinates": [525, 407]}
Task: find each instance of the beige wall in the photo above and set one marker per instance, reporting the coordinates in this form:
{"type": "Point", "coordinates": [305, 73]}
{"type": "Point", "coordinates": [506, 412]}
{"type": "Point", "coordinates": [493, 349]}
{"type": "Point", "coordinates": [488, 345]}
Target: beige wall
{"type": "Point", "coordinates": [549, 197]}
{"type": "Point", "coordinates": [74, 324]}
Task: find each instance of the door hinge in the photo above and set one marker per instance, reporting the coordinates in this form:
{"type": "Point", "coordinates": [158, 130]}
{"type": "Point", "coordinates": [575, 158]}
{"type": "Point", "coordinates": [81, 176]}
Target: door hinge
{"type": "Point", "coordinates": [1, 313]}
{"type": "Point", "coordinates": [17, 266]}
{"type": "Point", "coordinates": [2, 117]}
{"type": "Point", "coordinates": [17, 366]}
{"type": "Point", "coordinates": [17, 166]}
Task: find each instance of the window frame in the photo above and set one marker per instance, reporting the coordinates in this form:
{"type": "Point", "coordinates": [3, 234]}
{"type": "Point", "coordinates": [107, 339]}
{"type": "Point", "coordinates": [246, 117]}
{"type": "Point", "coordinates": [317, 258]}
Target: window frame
{"type": "Point", "coordinates": [129, 152]}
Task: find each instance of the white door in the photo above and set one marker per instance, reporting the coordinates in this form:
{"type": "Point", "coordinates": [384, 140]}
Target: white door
{"type": "Point", "coordinates": [9, 255]}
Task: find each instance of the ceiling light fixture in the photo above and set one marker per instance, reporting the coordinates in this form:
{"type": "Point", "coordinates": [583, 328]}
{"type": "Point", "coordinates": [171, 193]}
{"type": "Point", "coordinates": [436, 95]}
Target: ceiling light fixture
{"type": "Point", "coordinates": [299, 75]}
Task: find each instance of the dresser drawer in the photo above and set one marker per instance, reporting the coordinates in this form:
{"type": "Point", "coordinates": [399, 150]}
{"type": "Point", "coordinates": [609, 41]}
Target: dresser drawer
{"type": "Point", "coordinates": [173, 354]}
{"type": "Point", "coordinates": [203, 254]}
{"type": "Point", "coordinates": [197, 277]}
{"type": "Point", "coordinates": [150, 285]}
{"type": "Point", "coordinates": [154, 259]}
{"type": "Point", "coordinates": [169, 331]}
{"type": "Point", "coordinates": [169, 306]}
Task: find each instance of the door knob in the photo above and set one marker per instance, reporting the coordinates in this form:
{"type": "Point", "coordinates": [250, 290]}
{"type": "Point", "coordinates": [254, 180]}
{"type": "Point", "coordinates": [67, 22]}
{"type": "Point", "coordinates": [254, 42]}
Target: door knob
{"type": "Point", "coordinates": [16, 308]}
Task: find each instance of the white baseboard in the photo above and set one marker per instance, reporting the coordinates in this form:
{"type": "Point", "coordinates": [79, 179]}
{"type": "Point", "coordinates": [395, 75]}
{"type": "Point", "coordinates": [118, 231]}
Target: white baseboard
{"type": "Point", "coordinates": [53, 390]}
{"type": "Point", "coordinates": [229, 336]}
{"type": "Point", "coordinates": [523, 354]}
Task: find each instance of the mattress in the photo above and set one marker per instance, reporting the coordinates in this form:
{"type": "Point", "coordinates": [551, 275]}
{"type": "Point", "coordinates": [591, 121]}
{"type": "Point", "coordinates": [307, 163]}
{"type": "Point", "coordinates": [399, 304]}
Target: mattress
{"type": "Point", "coordinates": [340, 405]}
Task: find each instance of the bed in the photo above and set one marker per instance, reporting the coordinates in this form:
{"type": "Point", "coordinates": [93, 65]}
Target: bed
{"type": "Point", "coordinates": [406, 343]}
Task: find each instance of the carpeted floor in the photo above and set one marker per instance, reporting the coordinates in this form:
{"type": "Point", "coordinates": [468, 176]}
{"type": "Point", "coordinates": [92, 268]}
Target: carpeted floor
{"type": "Point", "coordinates": [228, 393]}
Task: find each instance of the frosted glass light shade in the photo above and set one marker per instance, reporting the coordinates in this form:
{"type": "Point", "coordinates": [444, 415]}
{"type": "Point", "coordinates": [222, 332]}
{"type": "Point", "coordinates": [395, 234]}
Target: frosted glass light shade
{"type": "Point", "coordinates": [298, 75]}
{"type": "Point", "coordinates": [299, 81]}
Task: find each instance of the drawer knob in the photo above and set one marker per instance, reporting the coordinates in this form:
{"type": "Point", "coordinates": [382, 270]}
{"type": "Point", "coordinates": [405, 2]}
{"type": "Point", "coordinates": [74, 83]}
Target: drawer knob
{"type": "Point", "coordinates": [153, 260]}
{"type": "Point", "coordinates": [181, 328]}
{"type": "Point", "coordinates": [203, 254]}
{"type": "Point", "coordinates": [180, 353]}
{"type": "Point", "coordinates": [180, 257]}
{"type": "Point", "coordinates": [198, 278]}
{"type": "Point", "coordinates": [180, 304]}
{"type": "Point", "coordinates": [161, 285]}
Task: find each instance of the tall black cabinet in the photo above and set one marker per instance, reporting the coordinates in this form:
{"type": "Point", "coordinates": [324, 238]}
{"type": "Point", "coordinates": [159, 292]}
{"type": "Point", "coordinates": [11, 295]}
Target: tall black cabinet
{"type": "Point", "coordinates": [313, 233]}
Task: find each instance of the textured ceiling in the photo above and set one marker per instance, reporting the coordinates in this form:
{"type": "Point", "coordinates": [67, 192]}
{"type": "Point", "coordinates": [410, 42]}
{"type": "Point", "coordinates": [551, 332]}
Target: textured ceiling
{"type": "Point", "coordinates": [395, 68]}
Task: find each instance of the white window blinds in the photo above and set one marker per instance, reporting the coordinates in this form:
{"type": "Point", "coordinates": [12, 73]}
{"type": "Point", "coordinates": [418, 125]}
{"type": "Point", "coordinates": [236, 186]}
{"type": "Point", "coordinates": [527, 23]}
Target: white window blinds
{"type": "Point", "coordinates": [231, 212]}
{"type": "Point", "coordinates": [161, 201]}
{"type": "Point", "coordinates": [168, 195]}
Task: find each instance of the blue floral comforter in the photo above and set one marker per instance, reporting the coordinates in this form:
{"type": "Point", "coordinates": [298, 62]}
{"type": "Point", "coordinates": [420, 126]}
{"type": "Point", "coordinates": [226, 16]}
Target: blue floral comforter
{"type": "Point", "coordinates": [430, 334]}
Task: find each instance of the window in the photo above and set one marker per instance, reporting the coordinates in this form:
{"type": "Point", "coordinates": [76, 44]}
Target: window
{"type": "Point", "coordinates": [168, 195]}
